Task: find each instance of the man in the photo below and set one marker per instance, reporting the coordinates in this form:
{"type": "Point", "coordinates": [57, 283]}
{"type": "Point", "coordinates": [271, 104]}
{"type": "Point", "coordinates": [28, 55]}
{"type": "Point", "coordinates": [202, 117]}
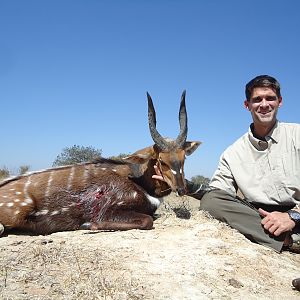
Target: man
{"type": "Point", "coordinates": [264, 165]}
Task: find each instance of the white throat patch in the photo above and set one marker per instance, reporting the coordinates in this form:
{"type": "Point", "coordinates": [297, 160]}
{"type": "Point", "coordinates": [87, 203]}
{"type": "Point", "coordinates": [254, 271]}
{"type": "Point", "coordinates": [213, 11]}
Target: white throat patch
{"type": "Point", "coordinates": [153, 200]}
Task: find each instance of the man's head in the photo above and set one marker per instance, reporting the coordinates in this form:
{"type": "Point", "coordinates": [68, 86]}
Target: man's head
{"type": "Point", "coordinates": [262, 81]}
{"type": "Point", "coordinates": [263, 99]}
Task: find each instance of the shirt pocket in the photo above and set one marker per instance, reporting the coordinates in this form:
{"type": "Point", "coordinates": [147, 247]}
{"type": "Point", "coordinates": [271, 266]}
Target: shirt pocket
{"type": "Point", "coordinates": [289, 168]}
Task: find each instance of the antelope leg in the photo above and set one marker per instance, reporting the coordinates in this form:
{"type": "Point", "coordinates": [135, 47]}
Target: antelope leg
{"type": "Point", "coordinates": [123, 220]}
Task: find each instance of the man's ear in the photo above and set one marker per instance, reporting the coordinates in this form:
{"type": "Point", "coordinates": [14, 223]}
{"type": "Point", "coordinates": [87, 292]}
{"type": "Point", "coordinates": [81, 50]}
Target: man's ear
{"type": "Point", "coordinates": [190, 147]}
{"type": "Point", "coordinates": [280, 102]}
{"type": "Point", "coordinates": [246, 104]}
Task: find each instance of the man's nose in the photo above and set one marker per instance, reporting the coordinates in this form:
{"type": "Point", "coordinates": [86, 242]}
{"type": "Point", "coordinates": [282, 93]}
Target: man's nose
{"type": "Point", "coordinates": [264, 102]}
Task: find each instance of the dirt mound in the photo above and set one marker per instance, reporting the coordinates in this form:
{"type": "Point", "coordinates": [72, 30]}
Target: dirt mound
{"type": "Point", "coordinates": [191, 257]}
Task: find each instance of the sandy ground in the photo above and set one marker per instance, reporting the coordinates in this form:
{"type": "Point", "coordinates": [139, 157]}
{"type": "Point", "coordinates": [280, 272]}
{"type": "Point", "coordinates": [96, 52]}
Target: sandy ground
{"type": "Point", "coordinates": [192, 257]}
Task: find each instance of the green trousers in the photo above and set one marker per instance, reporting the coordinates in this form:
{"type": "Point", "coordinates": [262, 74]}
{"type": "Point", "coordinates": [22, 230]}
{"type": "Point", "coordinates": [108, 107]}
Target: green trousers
{"type": "Point", "coordinates": [242, 216]}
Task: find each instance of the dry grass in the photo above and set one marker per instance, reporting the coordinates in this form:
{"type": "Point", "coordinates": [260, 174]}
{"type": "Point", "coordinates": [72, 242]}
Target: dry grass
{"type": "Point", "coordinates": [43, 269]}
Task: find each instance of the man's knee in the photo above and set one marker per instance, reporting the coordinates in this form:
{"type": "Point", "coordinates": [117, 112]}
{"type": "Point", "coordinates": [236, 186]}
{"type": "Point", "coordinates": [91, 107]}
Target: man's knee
{"type": "Point", "coordinates": [215, 203]}
{"type": "Point", "coordinates": [206, 202]}
{"type": "Point", "coordinates": [209, 203]}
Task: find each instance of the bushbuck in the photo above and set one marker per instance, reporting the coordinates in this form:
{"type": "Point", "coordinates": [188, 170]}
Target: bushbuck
{"type": "Point", "coordinates": [100, 195]}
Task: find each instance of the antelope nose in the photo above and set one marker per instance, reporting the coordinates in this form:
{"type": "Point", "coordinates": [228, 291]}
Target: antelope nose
{"type": "Point", "coordinates": [181, 191]}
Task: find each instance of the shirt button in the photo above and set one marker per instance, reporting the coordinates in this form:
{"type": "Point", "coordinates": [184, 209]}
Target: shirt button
{"type": "Point", "coordinates": [263, 145]}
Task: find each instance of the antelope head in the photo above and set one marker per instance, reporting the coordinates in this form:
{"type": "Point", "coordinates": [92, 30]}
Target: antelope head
{"type": "Point", "coordinates": [168, 155]}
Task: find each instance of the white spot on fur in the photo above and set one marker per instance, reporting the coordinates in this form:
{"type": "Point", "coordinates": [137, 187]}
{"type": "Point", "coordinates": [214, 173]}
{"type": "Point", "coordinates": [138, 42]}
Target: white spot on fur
{"type": "Point", "coordinates": [55, 212]}
{"type": "Point", "coordinates": [134, 194]}
{"type": "Point", "coordinates": [50, 179]}
{"type": "Point", "coordinates": [173, 171]}
{"type": "Point", "coordinates": [70, 179]}
{"type": "Point", "coordinates": [18, 193]}
{"type": "Point", "coordinates": [26, 186]}
{"type": "Point", "coordinates": [64, 209]}
{"type": "Point", "coordinates": [41, 212]}
{"type": "Point", "coordinates": [1, 204]}
{"type": "Point", "coordinates": [86, 225]}
{"type": "Point", "coordinates": [28, 200]}
{"type": "Point", "coordinates": [10, 204]}
{"type": "Point", "coordinates": [17, 212]}
{"type": "Point", "coordinates": [86, 174]}
{"type": "Point", "coordinates": [23, 204]}
{"type": "Point", "coordinates": [12, 189]}
{"type": "Point", "coordinates": [120, 203]}
{"type": "Point", "coordinates": [114, 170]}
{"type": "Point", "coordinates": [4, 196]}
{"type": "Point", "coordinates": [153, 200]}
{"type": "Point", "coordinates": [17, 200]}
{"type": "Point", "coordinates": [103, 169]}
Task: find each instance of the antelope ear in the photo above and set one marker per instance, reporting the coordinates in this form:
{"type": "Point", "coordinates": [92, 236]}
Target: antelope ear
{"type": "Point", "coordinates": [190, 147]}
{"type": "Point", "coordinates": [141, 156]}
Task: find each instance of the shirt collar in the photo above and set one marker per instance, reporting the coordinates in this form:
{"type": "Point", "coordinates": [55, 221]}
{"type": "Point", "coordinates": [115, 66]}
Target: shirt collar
{"type": "Point", "coordinates": [274, 133]}
{"type": "Point", "coordinates": [271, 136]}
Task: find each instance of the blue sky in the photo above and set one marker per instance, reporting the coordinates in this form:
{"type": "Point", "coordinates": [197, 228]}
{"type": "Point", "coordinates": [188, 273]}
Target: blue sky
{"type": "Point", "coordinates": [77, 72]}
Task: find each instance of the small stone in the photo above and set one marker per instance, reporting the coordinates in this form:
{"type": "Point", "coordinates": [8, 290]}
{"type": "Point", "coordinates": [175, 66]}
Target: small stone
{"type": "Point", "coordinates": [235, 283]}
{"type": "Point", "coordinates": [45, 242]}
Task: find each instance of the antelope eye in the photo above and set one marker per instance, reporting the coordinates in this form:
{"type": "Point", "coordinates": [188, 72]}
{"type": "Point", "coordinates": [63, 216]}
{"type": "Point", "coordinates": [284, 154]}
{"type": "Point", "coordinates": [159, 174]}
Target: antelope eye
{"type": "Point", "coordinates": [162, 162]}
{"type": "Point", "coordinates": [163, 165]}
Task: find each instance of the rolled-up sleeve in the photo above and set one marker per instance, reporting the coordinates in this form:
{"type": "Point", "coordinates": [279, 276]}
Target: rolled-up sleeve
{"type": "Point", "coordinates": [223, 178]}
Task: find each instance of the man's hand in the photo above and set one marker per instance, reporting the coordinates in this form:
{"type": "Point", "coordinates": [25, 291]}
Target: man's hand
{"type": "Point", "coordinates": [276, 222]}
{"type": "Point", "coordinates": [158, 174]}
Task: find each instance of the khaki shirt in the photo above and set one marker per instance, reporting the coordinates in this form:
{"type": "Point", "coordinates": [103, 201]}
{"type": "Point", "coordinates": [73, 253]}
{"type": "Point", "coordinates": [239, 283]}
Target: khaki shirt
{"type": "Point", "coordinates": [265, 171]}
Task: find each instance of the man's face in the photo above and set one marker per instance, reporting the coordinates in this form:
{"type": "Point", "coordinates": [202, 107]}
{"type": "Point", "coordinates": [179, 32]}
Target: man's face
{"type": "Point", "coordinates": [263, 106]}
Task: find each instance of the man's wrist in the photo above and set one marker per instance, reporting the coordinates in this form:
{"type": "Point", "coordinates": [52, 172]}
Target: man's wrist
{"type": "Point", "coordinates": [294, 216]}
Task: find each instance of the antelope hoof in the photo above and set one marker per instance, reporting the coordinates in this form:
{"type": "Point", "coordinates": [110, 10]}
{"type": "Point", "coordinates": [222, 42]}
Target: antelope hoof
{"type": "Point", "coordinates": [1, 229]}
{"type": "Point", "coordinates": [296, 284]}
